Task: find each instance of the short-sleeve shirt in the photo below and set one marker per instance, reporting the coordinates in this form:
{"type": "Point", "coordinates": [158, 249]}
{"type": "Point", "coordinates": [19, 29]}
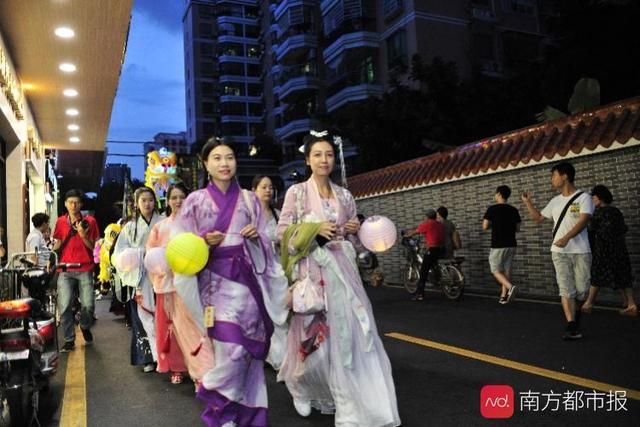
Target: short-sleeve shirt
{"type": "Point", "coordinates": [434, 233]}
{"type": "Point", "coordinates": [504, 220]}
{"type": "Point", "coordinates": [583, 204]}
{"type": "Point", "coordinates": [35, 240]}
{"type": "Point", "coordinates": [75, 250]}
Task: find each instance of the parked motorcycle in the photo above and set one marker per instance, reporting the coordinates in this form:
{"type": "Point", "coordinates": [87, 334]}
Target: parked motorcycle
{"type": "Point", "coordinates": [28, 342]}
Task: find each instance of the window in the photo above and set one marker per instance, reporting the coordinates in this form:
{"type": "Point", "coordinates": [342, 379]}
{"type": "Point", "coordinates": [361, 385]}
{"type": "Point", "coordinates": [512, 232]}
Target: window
{"type": "Point", "coordinates": [232, 68]}
{"type": "Point", "coordinates": [525, 7]}
{"type": "Point", "coordinates": [234, 128]}
{"type": "Point", "coordinates": [205, 30]}
{"type": "Point", "coordinates": [254, 90]}
{"type": "Point", "coordinates": [207, 89]}
{"type": "Point", "coordinates": [251, 31]}
{"type": "Point", "coordinates": [253, 51]}
{"type": "Point", "coordinates": [233, 108]}
{"type": "Point", "coordinates": [208, 109]}
{"type": "Point", "coordinates": [208, 129]}
{"type": "Point", "coordinates": [255, 129]}
{"type": "Point", "coordinates": [232, 49]}
{"type": "Point", "coordinates": [206, 49]}
{"type": "Point", "coordinates": [253, 70]}
{"type": "Point", "coordinates": [206, 69]}
{"type": "Point", "coordinates": [390, 7]}
{"type": "Point", "coordinates": [255, 109]}
{"type": "Point", "coordinates": [233, 89]}
{"type": "Point", "coordinates": [397, 49]}
{"type": "Point", "coordinates": [367, 71]}
{"type": "Point", "coordinates": [251, 12]}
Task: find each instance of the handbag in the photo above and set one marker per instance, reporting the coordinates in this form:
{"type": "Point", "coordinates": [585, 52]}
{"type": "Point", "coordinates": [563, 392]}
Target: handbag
{"type": "Point", "coordinates": [307, 296]}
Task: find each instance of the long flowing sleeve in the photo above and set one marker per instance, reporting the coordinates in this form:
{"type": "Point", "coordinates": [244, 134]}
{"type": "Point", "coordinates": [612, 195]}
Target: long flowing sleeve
{"type": "Point", "coordinates": [289, 214]}
{"type": "Point", "coordinates": [132, 274]}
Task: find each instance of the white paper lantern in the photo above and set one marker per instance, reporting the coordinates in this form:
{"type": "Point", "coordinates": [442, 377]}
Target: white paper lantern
{"type": "Point", "coordinates": [128, 260]}
{"type": "Point", "coordinates": [377, 233]}
{"type": "Point", "coordinates": [155, 261]}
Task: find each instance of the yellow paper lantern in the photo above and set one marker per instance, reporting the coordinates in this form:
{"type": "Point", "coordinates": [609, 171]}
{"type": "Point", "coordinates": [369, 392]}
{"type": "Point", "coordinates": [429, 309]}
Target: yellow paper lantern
{"type": "Point", "coordinates": [187, 254]}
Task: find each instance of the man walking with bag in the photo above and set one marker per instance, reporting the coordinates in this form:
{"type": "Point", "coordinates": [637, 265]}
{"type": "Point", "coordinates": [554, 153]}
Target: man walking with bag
{"type": "Point", "coordinates": [570, 211]}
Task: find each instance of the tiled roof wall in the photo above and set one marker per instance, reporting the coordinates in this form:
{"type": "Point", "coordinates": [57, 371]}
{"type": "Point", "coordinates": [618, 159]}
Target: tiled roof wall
{"type": "Point", "coordinates": [595, 128]}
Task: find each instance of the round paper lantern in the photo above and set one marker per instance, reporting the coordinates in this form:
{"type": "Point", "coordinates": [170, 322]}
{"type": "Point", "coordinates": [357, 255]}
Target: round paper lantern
{"type": "Point", "coordinates": [377, 233]}
{"type": "Point", "coordinates": [155, 261]}
{"type": "Point", "coordinates": [187, 254]}
{"type": "Point", "coordinates": [128, 260]}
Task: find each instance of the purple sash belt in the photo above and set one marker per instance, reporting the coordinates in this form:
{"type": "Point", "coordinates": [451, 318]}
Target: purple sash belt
{"type": "Point", "coordinates": [231, 263]}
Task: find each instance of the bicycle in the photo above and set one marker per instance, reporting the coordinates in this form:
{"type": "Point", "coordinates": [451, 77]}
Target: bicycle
{"type": "Point", "coordinates": [446, 274]}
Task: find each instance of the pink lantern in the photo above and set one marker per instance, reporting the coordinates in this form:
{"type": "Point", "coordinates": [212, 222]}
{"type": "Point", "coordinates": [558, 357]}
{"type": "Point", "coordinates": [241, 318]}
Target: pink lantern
{"type": "Point", "coordinates": [377, 233]}
{"type": "Point", "coordinates": [155, 261]}
{"type": "Point", "coordinates": [128, 260]}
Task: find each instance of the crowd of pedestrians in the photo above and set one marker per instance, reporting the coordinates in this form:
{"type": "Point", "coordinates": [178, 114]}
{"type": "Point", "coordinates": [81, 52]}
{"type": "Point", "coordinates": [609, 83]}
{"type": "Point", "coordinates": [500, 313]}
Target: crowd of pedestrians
{"type": "Point", "coordinates": [247, 305]}
{"type": "Point", "coordinates": [588, 249]}
{"type": "Point", "coordinates": [271, 276]}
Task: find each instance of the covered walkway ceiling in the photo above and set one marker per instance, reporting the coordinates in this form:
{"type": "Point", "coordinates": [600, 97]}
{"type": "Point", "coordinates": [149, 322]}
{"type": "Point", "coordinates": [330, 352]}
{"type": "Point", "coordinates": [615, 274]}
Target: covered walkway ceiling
{"type": "Point", "coordinates": [96, 50]}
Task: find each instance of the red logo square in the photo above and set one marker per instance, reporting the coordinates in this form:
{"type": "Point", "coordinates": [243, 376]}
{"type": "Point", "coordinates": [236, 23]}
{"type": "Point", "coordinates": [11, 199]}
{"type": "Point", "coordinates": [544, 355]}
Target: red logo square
{"type": "Point", "coordinates": [497, 401]}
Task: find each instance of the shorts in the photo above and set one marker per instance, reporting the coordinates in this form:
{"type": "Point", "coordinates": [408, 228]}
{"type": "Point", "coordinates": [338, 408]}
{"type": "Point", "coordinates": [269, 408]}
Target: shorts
{"type": "Point", "coordinates": [573, 274]}
{"type": "Point", "coordinates": [500, 259]}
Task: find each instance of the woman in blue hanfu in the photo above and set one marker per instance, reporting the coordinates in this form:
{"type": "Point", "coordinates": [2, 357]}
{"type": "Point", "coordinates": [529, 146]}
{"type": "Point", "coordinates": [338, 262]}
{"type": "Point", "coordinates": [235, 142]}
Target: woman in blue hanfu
{"type": "Point", "coordinates": [335, 361]}
{"type": "Point", "coordinates": [242, 292]}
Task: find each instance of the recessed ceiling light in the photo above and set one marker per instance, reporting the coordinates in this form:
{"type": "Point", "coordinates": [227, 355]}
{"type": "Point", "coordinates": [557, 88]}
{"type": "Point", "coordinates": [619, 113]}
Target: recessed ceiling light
{"type": "Point", "coordinates": [70, 93]}
{"type": "Point", "coordinates": [67, 67]}
{"type": "Point", "coordinates": [64, 32]}
{"type": "Point", "coordinates": [74, 139]}
{"type": "Point", "coordinates": [72, 112]}
{"type": "Point", "coordinates": [73, 127]}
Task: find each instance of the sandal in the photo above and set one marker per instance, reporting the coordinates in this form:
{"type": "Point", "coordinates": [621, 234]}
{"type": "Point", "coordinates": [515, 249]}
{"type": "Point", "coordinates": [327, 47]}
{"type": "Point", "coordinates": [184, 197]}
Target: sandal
{"type": "Point", "coordinates": [631, 311]}
{"type": "Point", "coordinates": [587, 309]}
{"type": "Point", "coordinates": [177, 378]}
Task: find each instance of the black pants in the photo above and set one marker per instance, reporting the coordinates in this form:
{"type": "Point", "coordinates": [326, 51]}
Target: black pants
{"type": "Point", "coordinates": [430, 259]}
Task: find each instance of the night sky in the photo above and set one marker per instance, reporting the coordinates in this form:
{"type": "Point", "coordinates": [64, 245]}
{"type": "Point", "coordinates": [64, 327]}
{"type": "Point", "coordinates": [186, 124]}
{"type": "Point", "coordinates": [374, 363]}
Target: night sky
{"type": "Point", "coordinates": [150, 97]}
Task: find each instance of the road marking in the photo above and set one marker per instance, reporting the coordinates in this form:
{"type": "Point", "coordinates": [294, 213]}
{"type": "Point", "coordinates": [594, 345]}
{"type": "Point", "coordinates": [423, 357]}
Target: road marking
{"type": "Point", "coordinates": [74, 402]}
{"type": "Point", "coordinates": [531, 369]}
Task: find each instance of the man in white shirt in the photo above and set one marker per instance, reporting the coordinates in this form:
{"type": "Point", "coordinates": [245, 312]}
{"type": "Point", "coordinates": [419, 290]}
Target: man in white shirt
{"type": "Point", "coordinates": [36, 241]}
{"type": "Point", "coordinates": [570, 251]}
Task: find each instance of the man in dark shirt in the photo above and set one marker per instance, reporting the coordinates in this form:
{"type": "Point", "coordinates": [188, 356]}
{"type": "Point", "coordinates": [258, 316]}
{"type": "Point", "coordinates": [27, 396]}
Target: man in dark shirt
{"type": "Point", "coordinates": [504, 221]}
{"type": "Point", "coordinates": [75, 236]}
{"type": "Point", "coordinates": [434, 237]}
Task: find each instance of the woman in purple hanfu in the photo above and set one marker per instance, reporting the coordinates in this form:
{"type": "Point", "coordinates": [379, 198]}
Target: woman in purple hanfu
{"type": "Point", "coordinates": [335, 361]}
{"type": "Point", "coordinates": [242, 292]}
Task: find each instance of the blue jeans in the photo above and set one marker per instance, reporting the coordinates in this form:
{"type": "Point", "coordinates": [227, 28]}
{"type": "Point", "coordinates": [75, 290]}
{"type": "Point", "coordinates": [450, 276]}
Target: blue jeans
{"type": "Point", "coordinates": [66, 294]}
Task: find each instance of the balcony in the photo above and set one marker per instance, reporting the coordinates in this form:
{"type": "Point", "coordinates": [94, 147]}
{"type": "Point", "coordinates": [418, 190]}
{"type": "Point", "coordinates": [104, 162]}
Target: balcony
{"type": "Point", "coordinates": [296, 78]}
{"type": "Point", "coordinates": [356, 40]}
{"type": "Point", "coordinates": [353, 86]}
{"type": "Point", "coordinates": [295, 43]}
{"type": "Point", "coordinates": [297, 126]}
{"type": "Point", "coordinates": [483, 14]}
{"type": "Point", "coordinates": [354, 25]}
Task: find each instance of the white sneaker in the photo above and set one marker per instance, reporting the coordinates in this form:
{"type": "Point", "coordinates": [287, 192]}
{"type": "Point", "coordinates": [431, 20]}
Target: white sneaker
{"type": "Point", "coordinates": [303, 407]}
{"type": "Point", "coordinates": [511, 293]}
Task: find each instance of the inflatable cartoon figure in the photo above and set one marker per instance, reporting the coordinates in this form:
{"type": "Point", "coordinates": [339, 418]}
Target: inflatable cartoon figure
{"type": "Point", "coordinates": [161, 171]}
{"type": "Point", "coordinates": [110, 236]}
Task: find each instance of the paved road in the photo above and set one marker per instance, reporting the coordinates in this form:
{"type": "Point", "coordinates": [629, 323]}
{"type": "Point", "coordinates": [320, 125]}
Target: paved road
{"type": "Point", "coordinates": [456, 348]}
